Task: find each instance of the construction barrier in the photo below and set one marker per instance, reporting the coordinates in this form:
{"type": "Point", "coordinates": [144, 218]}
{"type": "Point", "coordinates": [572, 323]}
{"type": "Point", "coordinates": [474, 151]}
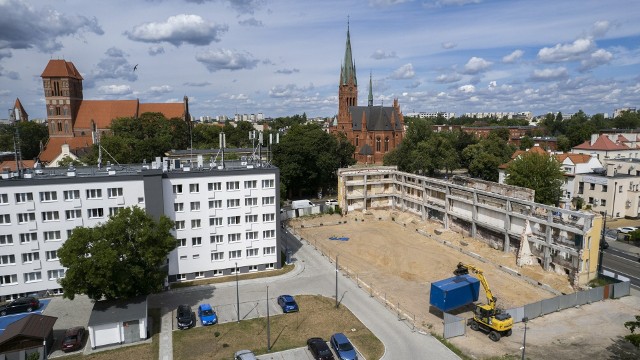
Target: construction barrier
{"type": "Point", "coordinates": [454, 325]}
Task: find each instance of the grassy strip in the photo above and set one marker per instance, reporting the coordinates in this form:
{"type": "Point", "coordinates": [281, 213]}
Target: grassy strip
{"type": "Point", "coordinates": [451, 347]}
{"type": "Point", "coordinates": [217, 280]}
{"type": "Point", "coordinates": [317, 317]}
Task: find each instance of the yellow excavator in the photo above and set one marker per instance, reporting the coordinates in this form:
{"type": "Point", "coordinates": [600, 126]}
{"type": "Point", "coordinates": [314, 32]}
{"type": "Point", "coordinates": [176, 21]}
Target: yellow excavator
{"type": "Point", "coordinates": [487, 317]}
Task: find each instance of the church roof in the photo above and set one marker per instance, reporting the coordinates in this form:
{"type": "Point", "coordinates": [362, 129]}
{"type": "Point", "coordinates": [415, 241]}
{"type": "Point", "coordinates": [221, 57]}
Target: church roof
{"type": "Point", "coordinates": [103, 112]}
{"type": "Point", "coordinates": [18, 105]}
{"type": "Point", "coordinates": [169, 110]}
{"type": "Point", "coordinates": [61, 68]}
{"type": "Point", "coordinates": [377, 118]}
{"type": "Point", "coordinates": [366, 150]}
{"type": "Point", "coordinates": [348, 70]}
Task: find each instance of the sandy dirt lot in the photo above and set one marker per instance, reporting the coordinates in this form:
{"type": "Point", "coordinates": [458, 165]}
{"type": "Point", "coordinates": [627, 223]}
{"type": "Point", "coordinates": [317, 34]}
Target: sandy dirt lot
{"type": "Point", "coordinates": [399, 264]}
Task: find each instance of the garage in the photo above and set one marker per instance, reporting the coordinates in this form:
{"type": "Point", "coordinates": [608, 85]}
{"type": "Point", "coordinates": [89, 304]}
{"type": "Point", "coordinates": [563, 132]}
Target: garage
{"type": "Point", "coordinates": [118, 322]}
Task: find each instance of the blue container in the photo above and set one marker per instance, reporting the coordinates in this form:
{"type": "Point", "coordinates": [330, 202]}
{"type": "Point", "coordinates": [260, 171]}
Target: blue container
{"type": "Point", "coordinates": [452, 293]}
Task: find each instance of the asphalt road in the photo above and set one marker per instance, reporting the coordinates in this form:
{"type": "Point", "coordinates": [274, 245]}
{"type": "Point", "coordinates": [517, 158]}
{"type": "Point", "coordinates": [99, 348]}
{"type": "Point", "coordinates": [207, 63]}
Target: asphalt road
{"type": "Point", "coordinates": [623, 263]}
{"type": "Point", "coordinates": [317, 276]}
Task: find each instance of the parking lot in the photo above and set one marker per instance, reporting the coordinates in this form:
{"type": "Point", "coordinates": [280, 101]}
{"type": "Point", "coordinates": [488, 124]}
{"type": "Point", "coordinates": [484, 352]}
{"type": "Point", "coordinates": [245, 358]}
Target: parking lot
{"type": "Point", "coordinates": [8, 319]}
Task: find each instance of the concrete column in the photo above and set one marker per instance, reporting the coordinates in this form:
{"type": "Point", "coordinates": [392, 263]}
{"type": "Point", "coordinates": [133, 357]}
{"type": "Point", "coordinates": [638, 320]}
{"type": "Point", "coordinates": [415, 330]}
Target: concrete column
{"type": "Point", "coordinates": [547, 250]}
{"type": "Point", "coordinates": [507, 226]}
{"type": "Point", "coordinates": [474, 215]}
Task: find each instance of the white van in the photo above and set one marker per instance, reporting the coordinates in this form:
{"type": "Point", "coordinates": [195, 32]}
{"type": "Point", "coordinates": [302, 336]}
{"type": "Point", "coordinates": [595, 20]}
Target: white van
{"type": "Point", "coordinates": [301, 204]}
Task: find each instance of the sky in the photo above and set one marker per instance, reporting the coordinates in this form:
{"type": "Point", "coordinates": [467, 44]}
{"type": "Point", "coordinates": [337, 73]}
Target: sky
{"type": "Point", "coordinates": [283, 57]}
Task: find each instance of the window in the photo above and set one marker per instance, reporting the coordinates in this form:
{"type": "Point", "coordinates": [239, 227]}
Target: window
{"type": "Point", "coordinates": [250, 201]}
{"type": "Point", "coordinates": [23, 197]}
{"type": "Point", "coordinates": [32, 276]}
{"type": "Point", "coordinates": [268, 200]}
{"type": "Point", "coordinates": [216, 239]}
{"type": "Point", "coordinates": [6, 239]}
{"type": "Point", "coordinates": [71, 194]}
{"type": "Point", "coordinates": [252, 252]}
{"type": "Point", "coordinates": [196, 241]}
{"type": "Point", "coordinates": [52, 255]}
{"type": "Point", "coordinates": [180, 225]}
{"type": "Point", "coordinates": [30, 257]}
{"type": "Point", "coordinates": [48, 196]}
{"type": "Point", "coordinates": [178, 207]}
{"type": "Point", "coordinates": [217, 272]}
{"type": "Point", "coordinates": [270, 250]}
{"type": "Point", "coordinates": [269, 266]}
{"type": "Point", "coordinates": [233, 220]}
{"type": "Point", "coordinates": [5, 219]}
{"type": "Point", "coordinates": [55, 274]}
{"type": "Point", "coordinates": [233, 185]}
{"type": "Point", "coordinates": [215, 204]}
{"type": "Point", "coordinates": [114, 210]}
{"type": "Point", "coordinates": [251, 218]}
{"type": "Point", "coordinates": [177, 189]}
{"type": "Point", "coordinates": [378, 143]}
{"type": "Point", "coordinates": [72, 214]}
{"type": "Point", "coordinates": [4, 199]}
{"type": "Point", "coordinates": [182, 242]}
{"type": "Point", "coordinates": [620, 189]}
{"type": "Point", "coordinates": [8, 279]}
{"type": "Point", "coordinates": [7, 259]}
{"type": "Point", "coordinates": [268, 234]}
{"type": "Point", "coordinates": [603, 202]}
{"type": "Point", "coordinates": [357, 140]}
{"type": "Point", "coordinates": [268, 184]}
{"type": "Point", "coordinates": [183, 257]}
{"type": "Point", "coordinates": [195, 206]}
{"type": "Point", "coordinates": [250, 184]}
{"type": "Point", "coordinates": [215, 221]}
{"type": "Point", "coordinates": [50, 216]}
{"type": "Point", "coordinates": [24, 217]}
{"type": "Point", "coordinates": [386, 144]}
{"type": "Point", "coordinates": [194, 188]}
{"type": "Point", "coordinates": [235, 237]}
{"type": "Point", "coordinates": [232, 203]}
{"type": "Point", "coordinates": [28, 237]}
{"type": "Point", "coordinates": [113, 192]}
{"type": "Point", "coordinates": [181, 277]}
{"type": "Point", "coordinates": [52, 235]}
{"type": "Point", "coordinates": [604, 188]}
{"type": "Point", "coordinates": [217, 256]}
{"type": "Point", "coordinates": [253, 268]}
{"type": "Point", "coordinates": [235, 254]}
{"type": "Point", "coordinates": [198, 274]}
{"type": "Point", "coordinates": [196, 224]}
{"type": "Point", "coordinates": [216, 186]}
{"type": "Point", "coordinates": [268, 217]}
{"type": "Point", "coordinates": [95, 213]}
{"type": "Point", "coordinates": [251, 235]}
{"type": "Point", "coordinates": [94, 193]}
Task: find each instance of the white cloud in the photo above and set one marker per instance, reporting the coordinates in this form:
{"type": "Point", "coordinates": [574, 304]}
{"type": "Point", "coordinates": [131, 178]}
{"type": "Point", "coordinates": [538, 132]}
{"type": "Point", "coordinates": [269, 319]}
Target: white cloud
{"type": "Point", "coordinates": [386, 2]}
{"type": "Point", "coordinates": [404, 72]}
{"type": "Point", "coordinates": [549, 74]}
{"type": "Point", "coordinates": [114, 90]}
{"type": "Point", "coordinates": [515, 55]}
{"type": "Point", "coordinates": [177, 30]}
{"type": "Point", "coordinates": [492, 84]}
{"type": "Point", "coordinates": [288, 91]}
{"type": "Point", "coordinates": [155, 50]}
{"type": "Point", "coordinates": [440, 3]}
{"type": "Point", "coordinates": [476, 65]}
{"type": "Point", "coordinates": [448, 78]}
{"type": "Point", "coordinates": [113, 66]}
{"type": "Point", "coordinates": [600, 28]}
{"type": "Point", "coordinates": [597, 58]}
{"type": "Point", "coordinates": [287, 71]}
{"type": "Point", "coordinates": [380, 54]}
{"type": "Point", "coordinates": [566, 52]}
{"type": "Point", "coordinates": [251, 22]}
{"type": "Point", "coordinates": [225, 59]}
{"type": "Point", "coordinates": [448, 45]}
{"type": "Point", "coordinates": [467, 88]}
{"type": "Point", "coordinates": [158, 90]}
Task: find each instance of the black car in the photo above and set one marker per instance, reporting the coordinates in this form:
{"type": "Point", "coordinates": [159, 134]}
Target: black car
{"type": "Point", "coordinates": [319, 349]}
{"type": "Point", "coordinates": [185, 316]}
{"type": "Point", "coordinates": [19, 305]}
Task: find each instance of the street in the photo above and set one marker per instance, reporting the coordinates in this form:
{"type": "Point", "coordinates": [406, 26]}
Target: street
{"type": "Point", "coordinates": [622, 262]}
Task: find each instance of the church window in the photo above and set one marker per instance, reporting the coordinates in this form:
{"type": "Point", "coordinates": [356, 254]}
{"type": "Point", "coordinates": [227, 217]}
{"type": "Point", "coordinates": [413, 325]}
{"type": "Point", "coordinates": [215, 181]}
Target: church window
{"type": "Point", "coordinates": [51, 111]}
{"type": "Point", "coordinates": [378, 144]}
{"type": "Point", "coordinates": [56, 88]}
{"type": "Point", "coordinates": [59, 126]}
{"type": "Point", "coordinates": [386, 144]}
{"type": "Point", "coordinates": [65, 110]}
{"type": "Point", "coordinates": [357, 140]}
{"type": "Point", "coordinates": [66, 127]}
{"type": "Point", "coordinates": [57, 110]}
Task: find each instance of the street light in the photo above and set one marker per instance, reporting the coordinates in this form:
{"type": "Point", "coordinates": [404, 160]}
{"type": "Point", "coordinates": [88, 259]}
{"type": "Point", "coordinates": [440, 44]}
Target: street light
{"type": "Point", "coordinates": [336, 281]}
{"type": "Point", "coordinates": [237, 292]}
{"type": "Point", "coordinates": [268, 323]}
{"type": "Point", "coordinates": [524, 340]}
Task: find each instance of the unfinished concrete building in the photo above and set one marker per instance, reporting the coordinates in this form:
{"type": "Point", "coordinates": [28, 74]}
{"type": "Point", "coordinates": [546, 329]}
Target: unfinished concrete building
{"type": "Point", "coordinates": [502, 216]}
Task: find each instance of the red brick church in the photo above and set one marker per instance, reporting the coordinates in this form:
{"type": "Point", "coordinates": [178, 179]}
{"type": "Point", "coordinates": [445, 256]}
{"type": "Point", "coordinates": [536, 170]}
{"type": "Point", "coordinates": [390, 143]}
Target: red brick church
{"type": "Point", "coordinates": [374, 130]}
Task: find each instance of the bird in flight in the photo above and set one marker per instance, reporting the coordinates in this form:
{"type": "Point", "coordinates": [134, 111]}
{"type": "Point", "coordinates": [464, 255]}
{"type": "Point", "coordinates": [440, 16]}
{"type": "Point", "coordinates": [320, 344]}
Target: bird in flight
{"type": "Point", "coordinates": [135, 67]}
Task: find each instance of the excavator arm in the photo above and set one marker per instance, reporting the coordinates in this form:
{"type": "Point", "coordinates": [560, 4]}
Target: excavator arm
{"type": "Point", "coordinates": [464, 269]}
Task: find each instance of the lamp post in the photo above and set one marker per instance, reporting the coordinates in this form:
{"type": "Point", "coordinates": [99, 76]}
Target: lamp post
{"type": "Point", "coordinates": [268, 323]}
{"type": "Point", "coordinates": [524, 340]}
{"type": "Point", "coordinates": [336, 281]}
{"type": "Point", "coordinates": [237, 292]}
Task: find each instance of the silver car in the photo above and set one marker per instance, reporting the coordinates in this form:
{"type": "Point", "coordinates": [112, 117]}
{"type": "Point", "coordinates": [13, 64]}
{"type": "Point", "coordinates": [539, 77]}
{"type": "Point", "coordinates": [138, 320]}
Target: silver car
{"type": "Point", "coordinates": [244, 355]}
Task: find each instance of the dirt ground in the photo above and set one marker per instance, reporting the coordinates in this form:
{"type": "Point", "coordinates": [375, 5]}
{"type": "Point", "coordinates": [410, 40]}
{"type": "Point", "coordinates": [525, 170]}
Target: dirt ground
{"type": "Point", "coordinates": [399, 264]}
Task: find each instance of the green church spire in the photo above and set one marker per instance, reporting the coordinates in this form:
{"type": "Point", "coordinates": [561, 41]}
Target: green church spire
{"type": "Point", "coordinates": [370, 90]}
{"type": "Point", "coordinates": [348, 71]}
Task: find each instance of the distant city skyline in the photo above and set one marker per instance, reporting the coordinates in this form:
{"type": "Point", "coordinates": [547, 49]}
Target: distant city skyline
{"type": "Point", "coordinates": [282, 58]}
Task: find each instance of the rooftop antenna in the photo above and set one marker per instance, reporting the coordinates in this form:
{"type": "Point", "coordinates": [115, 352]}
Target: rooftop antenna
{"type": "Point", "coordinates": [223, 143]}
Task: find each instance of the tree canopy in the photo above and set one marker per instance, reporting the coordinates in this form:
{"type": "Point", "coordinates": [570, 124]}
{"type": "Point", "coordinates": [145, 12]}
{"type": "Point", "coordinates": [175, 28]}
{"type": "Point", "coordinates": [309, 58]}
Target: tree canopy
{"type": "Point", "coordinates": [121, 258]}
{"type": "Point", "coordinates": [31, 135]}
{"type": "Point", "coordinates": [633, 337]}
{"type": "Point", "coordinates": [539, 172]}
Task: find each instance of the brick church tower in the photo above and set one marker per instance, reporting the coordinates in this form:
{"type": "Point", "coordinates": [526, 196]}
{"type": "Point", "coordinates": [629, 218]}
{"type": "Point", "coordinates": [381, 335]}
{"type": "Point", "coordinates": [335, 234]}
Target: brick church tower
{"type": "Point", "coordinates": [348, 88]}
{"type": "Point", "coordinates": [63, 95]}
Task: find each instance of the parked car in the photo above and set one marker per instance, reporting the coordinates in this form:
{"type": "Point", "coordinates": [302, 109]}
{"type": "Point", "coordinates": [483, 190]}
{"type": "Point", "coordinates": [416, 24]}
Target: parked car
{"type": "Point", "coordinates": [186, 318]}
{"type": "Point", "coordinates": [207, 315]}
{"type": "Point", "coordinates": [287, 303]}
{"type": "Point", "coordinates": [343, 348]}
{"type": "Point", "coordinates": [73, 338]}
{"type": "Point", "coordinates": [19, 305]}
{"type": "Point", "coordinates": [331, 202]}
{"type": "Point", "coordinates": [627, 229]}
{"type": "Point", "coordinates": [319, 349]}
{"type": "Point", "coordinates": [244, 355]}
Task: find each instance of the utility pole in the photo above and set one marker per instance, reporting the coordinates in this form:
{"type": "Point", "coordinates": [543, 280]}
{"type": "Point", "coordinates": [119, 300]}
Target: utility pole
{"type": "Point", "coordinates": [524, 340]}
{"type": "Point", "coordinates": [337, 305]}
{"type": "Point", "coordinates": [237, 293]}
{"type": "Point", "coordinates": [268, 323]}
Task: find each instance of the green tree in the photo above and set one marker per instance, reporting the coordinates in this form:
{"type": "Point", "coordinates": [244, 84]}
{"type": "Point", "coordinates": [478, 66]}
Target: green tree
{"type": "Point", "coordinates": [121, 258]}
{"type": "Point", "coordinates": [32, 135]}
{"type": "Point", "coordinates": [206, 136]}
{"type": "Point", "coordinates": [633, 337]}
{"type": "Point", "coordinates": [563, 143]}
{"type": "Point", "coordinates": [627, 120]}
{"type": "Point", "coordinates": [526, 143]}
{"type": "Point", "coordinates": [68, 160]}
{"type": "Point", "coordinates": [539, 172]}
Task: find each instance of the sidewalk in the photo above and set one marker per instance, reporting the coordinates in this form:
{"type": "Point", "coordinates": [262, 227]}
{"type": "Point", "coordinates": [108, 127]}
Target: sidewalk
{"type": "Point", "coordinates": [625, 247]}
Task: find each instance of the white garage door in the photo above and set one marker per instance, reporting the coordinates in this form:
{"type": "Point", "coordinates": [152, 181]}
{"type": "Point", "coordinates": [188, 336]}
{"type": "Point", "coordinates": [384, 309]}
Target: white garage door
{"type": "Point", "coordinates": [106, 334]}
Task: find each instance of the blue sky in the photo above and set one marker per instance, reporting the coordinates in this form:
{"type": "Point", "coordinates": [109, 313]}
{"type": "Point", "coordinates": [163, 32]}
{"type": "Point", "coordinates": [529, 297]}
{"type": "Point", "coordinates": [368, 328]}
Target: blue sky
{"type": "Point", "coordinates": [282, 57]}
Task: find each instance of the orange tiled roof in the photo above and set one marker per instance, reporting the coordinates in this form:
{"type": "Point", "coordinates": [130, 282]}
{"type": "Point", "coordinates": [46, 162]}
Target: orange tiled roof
{"type": "Point", "coordinates": [11, 164]}
{"type": "Point", "coordinates": [575, 158]}
{"type": "Point", "coordinates": [53, 147]}
{"type": "Point", "coordinates": [102, 112]}
{"type": "Point", "coordinates": [169, 110]}
{"type": "Point", "coordinates": [536, 149]}
{"type": "Point", "coordinates": [61, 68]}
{"type": "Point", "coordinates": [621, 138]}
{"type": "Point", "coordinates": [602, 143]}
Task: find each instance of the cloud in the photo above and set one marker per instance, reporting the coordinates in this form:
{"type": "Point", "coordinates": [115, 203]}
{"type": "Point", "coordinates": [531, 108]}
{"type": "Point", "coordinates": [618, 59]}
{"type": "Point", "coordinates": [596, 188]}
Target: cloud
{"type": "Point", "coordinates": [549, 74]}
{"type": "Point", "coordinates": [155, 50]}
{"type": "Point", "coordinates": [492, 84]}
{"type": "Point", "coordinates": [251, 22]}
{"type": "Point", "coordinates": [23, 26]}
{"type": "Point", "coordinates": [178, 30]}
{"type": "Point", "coordinates": [159, 90]}
{"type": "Point", "coordinates": [403, 72]}
{"type": "Point", "coordinates": [114, 90]}
{"type": "Point", "coordinates": [380, 54]}
{"type": "Point", "coordinates": [5, 92]}
{"type": "Point", "coordinates": [414, 84]}
{"type": "Point", "coordinates": [197, 84]}
{"type": "Point", "coordinates": [600, 28]}
{"type": "Point", "coordinates": [566, 52]}
{"type": "Point", "coordinates": [597, 58]}
{"type": "Point", "coordinates": [9, 74]}
{"type": "Point", "coordinates": [448, 78]}
{"type": "Point", "coordinates": [448, 45]}
{"type": "Point", "coordinates": [467, 88]}
{"type": "Point", "coordinates": [476, 65]}
{"type": "Point", "coordinates": [289, 90]}
{"type": "Point", "coordinates": [443, 3]}
{"type": "Point", "coordinates": [515, 55]}
{"type": "Point", "coordinates": [224, 59]}
{"type": "Point", "coordinates": [245, 6]}
{"type": "Point", "coordinates": [113, 66]}
{"type": "Point", "coordinates": [287, 71]}
{"type": "Point", "coordinates": [380, 3]}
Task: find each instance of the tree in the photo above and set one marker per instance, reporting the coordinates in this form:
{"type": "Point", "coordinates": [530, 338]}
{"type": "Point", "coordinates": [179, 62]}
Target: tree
{"type": "Point", "coordinates": [68, 160]}
{"type": "Point", "coordinates": [633, 337]}
{"type": "Point", "coordinates": [121, 258]}
{"type": "Point", "coordinates": [526, 143]}
{"type": "Point", "coordinates": [31, 136]}
{"type": "Point", "coordinates": [539, 172]}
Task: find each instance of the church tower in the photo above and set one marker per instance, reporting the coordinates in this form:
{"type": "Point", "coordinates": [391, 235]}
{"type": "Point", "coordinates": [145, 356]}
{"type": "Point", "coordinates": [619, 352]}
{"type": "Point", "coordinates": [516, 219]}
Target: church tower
{"type": "Point", "coordinates": [347, 89]}
{"type": "Point", "coordinates": [63, 94]}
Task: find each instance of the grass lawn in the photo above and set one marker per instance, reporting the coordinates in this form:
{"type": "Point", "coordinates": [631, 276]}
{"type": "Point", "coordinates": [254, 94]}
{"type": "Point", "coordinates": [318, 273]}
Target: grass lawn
{"type": "Point", "coordinates": [317, 317]}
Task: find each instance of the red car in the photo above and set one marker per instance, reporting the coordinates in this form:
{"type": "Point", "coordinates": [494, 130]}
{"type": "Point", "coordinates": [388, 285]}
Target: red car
{"type": "Point", "coordinates": [73, 339]}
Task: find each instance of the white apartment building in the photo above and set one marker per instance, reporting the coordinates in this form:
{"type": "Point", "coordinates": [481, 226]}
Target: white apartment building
{"type": "Point", "coordinates": [432, 115]}
{"type": "Point", "coordinates": [226, 218]}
